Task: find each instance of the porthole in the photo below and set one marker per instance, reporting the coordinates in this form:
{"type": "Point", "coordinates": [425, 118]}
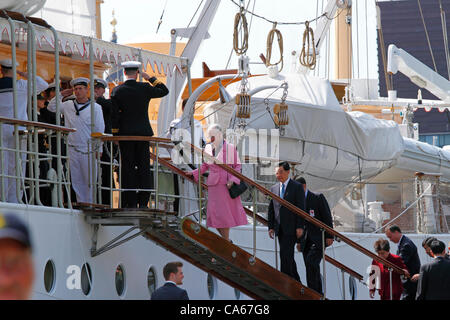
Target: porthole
{"type": "Point", "coordinates": [151, 280]}
{"type": "Point", "coordinates": [86, 279]}
{"type": "Point", "coordinates": [352, 288]}
{"type": "Point", "coordinates": [49, 276]}
{"type": "Point", "coordinates": [120, 280]}
{"type": "Point", "coordinates": [237, 294]}
{"type": "Point", "coordinates": [212, 286]}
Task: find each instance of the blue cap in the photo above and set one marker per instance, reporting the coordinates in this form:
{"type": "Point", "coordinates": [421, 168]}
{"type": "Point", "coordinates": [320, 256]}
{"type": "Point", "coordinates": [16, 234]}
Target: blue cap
{"type": "Point", "coordinates": [12, 227]}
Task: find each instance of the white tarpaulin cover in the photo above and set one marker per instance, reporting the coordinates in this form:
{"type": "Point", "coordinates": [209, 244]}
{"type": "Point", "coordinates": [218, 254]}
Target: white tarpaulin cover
{"type": "Point", "coordinates": [333, 147]}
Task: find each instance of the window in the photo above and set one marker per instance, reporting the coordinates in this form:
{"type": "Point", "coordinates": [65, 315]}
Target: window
{"type": "Point", "coordinates": [151, 280]}
{"type": "Point", "coordinates": [120, 280]}
{"type": "Point", "coordinates": [237, 294]}
{"type": "Point", "coordinates": [212, 286]}
{"type": "Point", "coordinates": [86, 279]}
{"type": "Point", "coordinates": [49, 276]}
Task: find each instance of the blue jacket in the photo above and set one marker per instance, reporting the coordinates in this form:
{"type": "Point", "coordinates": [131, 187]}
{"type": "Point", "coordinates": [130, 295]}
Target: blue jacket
{"type": "Point", "coordinates": [169, 291]}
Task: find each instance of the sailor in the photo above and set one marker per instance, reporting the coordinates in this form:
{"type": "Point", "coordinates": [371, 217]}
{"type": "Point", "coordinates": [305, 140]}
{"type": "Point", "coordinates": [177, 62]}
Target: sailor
{"type": "Point", "coordinates": [77, 114]}
{"type": "Point", "coordinates": [7, 110]}
{"type": "Point", "coordinates": [130, 118]}
{"type": "Point", "coordinates": [100, 86]}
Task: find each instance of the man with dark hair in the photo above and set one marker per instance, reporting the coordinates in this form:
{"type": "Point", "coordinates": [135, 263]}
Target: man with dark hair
{"type": "Point", "coordinates": [173, 274]}
{"type": "Point", "coordinates": [426, 245]}
{"type": "Point", "coordinates": [287, 225]}
{"type": "Point", "coordinates": [407, 250]}
{"type": "Point", "coordinates": [16, 262]}
{"type": "Point", "coordinates": [311, 241]}
{"type": "Point", "coordinates": [130, 118]}
{"type": "Point", "coordinates": [434, 279]}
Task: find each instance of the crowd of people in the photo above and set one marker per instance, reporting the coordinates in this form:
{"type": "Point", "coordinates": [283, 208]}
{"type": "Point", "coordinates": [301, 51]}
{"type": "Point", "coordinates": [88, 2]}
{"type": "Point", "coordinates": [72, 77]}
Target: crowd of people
{"type": "Point", "coordinates": [125, 113]}
{"type": "Point", "coordinates": [428, 281]}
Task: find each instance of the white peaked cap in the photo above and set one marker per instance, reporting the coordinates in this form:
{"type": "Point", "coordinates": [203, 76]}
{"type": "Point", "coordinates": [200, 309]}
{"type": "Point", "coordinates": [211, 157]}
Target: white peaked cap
{"type": "Point", "coordinates": [131, 64]}
{"type": "Point", "coordinates": [80, 80]}
{"type": "Point", "coordinates": [51, 85]}
{"type": "Point", "coordinates": [100, 81]}
{"type": "Point", "coordinates": [7, 63]}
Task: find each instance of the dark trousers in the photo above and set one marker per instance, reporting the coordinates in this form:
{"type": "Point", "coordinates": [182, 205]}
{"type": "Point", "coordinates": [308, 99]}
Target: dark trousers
{"type": "Point", "coordinates": [287, 262]}
{"type": "Point", "coordinates": [136, 173]}
{"type": "Point", "coordinates": [409, 290]}
{"type": "Point", "coordinates": [312, 255]}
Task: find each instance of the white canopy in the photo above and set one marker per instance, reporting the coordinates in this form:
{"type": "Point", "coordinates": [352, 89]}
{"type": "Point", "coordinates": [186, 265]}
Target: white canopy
{"type": "Point", "coordinates": [78, 47]}
{"type": "Point", "coordinates": [333, 148]}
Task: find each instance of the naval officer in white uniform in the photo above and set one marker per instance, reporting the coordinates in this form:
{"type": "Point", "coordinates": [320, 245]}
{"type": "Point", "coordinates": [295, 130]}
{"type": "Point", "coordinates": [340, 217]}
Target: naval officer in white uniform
{"type": "Point", "coordinates": [77, 114]}
{"type": "Point", "coordinates": [7, 110]}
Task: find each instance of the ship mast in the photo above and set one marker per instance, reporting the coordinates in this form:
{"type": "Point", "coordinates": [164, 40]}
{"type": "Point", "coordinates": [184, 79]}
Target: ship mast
{"type": "Point", "coordinates": [343, 56]}
{"type": "Point", "coordinates": [98, 18]}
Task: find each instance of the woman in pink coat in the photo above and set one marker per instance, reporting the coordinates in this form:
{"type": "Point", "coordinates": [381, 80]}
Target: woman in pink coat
{"type": "Point", "coordinates": [223, 212]}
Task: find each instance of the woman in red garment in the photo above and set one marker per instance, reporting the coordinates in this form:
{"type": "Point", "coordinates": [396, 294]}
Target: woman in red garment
{"type": "Point", "coordinates": [382, 249]}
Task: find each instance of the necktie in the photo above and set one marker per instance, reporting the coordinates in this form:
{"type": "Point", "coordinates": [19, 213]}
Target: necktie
{"type": "Point", "coordinates": [282, 191]}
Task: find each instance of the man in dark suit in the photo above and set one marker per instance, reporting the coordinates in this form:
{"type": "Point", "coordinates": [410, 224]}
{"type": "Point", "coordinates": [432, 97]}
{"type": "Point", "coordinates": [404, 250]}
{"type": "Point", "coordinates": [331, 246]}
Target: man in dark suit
{"type": "Point", "coordinates": [130, 118]}
{"type": "Point", "coordinates": [287, 225]}
{"type": "Point", "coordinates": [173, 273]}
{"type": "Point", "coordinates": [311, 241]}
{"type": "Point", "coordinates": [407, 250]}
{"type": "Point", "coordinates": [434, 279]}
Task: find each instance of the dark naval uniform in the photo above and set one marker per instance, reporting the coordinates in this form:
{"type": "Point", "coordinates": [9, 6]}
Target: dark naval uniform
{"type": "Point", "coordinates": [130, 118]}
{"type": "Point", "coordinates": [107, 108]}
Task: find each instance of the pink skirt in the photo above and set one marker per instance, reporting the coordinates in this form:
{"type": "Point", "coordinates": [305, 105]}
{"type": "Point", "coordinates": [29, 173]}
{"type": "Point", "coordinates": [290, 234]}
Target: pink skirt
{"type": "Point", "coordinates": [222, 211]}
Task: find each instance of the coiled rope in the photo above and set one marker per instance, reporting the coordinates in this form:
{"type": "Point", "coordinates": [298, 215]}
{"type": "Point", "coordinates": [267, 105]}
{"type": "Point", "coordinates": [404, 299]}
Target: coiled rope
{"type": "Point", "coordinates": [306, 59]}
{"type": "Point", "coordinates": [240, 16]}
{"type": "Point", "coordinates": [270, 37]}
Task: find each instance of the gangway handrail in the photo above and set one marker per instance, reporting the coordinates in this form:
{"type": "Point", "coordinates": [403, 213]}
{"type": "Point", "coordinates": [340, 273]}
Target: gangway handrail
{"type": "Point", "coordinates": [26, 123]}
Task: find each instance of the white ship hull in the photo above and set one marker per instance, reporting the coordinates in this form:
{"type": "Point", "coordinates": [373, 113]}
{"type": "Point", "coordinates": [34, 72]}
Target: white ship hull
{"type": "Point", "coordinates": [64, 237]}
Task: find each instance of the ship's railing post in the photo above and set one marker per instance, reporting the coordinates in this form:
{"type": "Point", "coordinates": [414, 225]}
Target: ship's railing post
{"type": "Point", "coordinates": [14, 84]}
{"type": "Point", "coordinates": [59, 166]}
{"type": "Point", "coordinates": [323, 264]}
{"type": "Point", "coordinates": [34, 184]}
{"type": "Point", "coordinates": [2, 159]}
{"type": "Point", "coordinates": [200, 193]}
{"type": "Point", "coordinates": [111, 173]}
{"type": "Point", "coordinates": [92, 156]}
{"type": "Point", "coordinates": [343, 283]}
{"type": "Point", "coordinates": [255, 194]}
{"type": "Point", "coordinates": [156, 177]}
{"type": "Point", "coordinates": [390, 282]}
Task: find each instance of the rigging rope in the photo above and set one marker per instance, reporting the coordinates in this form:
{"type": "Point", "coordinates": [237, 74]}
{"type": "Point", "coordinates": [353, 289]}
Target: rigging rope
{"type": "Point", "coordinates": [240, 16]}
{"type": "Point", "coordinates": [306, 59]}
{"type": "Point", "coordinates": [287, 23]}
{"type": "Point", "coordinates": [269, 47]}
{"type": "Point", "coordinates": [426, 33]}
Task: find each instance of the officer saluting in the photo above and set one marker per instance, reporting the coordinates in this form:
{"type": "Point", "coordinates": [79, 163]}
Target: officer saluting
{"type": "Point", "coordinates": [77, 114]}
{"type": "Point", "coordinates": [130, 118]}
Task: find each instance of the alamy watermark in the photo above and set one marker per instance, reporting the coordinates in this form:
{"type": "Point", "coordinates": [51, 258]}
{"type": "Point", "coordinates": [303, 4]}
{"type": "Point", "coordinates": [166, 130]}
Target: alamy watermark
{"type": "Point", "coordinates": [254, 146]}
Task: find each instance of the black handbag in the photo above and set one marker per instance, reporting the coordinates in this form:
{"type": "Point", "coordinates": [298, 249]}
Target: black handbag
{"type": "Point", "coordinates": [236, 189]}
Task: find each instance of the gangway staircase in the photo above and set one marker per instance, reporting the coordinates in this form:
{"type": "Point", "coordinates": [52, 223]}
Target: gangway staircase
{"type": "Point", "coordinates": [204, 249]}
